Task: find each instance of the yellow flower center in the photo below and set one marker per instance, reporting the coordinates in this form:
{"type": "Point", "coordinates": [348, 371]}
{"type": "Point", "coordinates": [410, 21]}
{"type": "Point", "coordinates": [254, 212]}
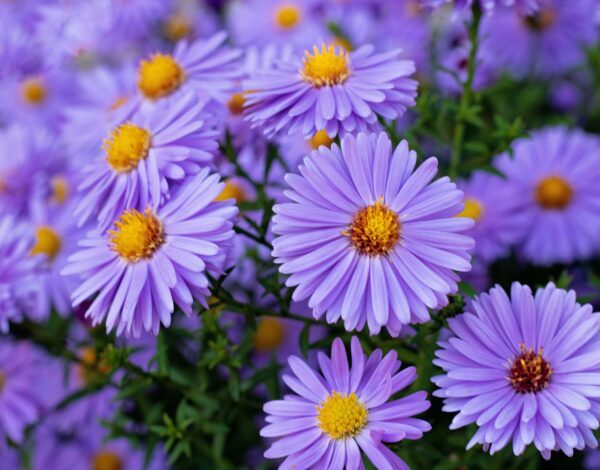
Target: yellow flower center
{"type": "Point", "coordinates": [159, 76]}
{"type": "Point", "coordinates": [269, 335]}
{"type": "Point", "coordinates": [326, 67]}
{"type": "Point", "coordinates": [106, 460]}
{"type": "Point", "coordinates": [137, 236]}
{"type": "Point", "coordinates": [554, 193]}
{"type": "Point", "coordinates": [320, 138]}
{"type": "Point", "coordinates": [232, 190]}
{"type": "Point", "coordinates": [473, 209]}
{"type": "Point", "coordinates": [375, 230]}
{"type": "Point", "coordinates": [47, 242]}
{"type": "Point", "coordinates": [236, 104]}
{"type": "Point", "coordinates": [529, 372]}
{"type": "Point", "coordinates": [91, 369]}
{"type": "Point", "coordinates": [177, 27]}
{"type": "Point", "coordinates": [342, 416]}
{"type": "Point", "coordinates": [60, 189]}
{"type": "Point", "coordinates": [287, 16]}
{"type": "Point", "coordinates": [126, 146]}
{"type": "Point", "coordinates": [33, 90]}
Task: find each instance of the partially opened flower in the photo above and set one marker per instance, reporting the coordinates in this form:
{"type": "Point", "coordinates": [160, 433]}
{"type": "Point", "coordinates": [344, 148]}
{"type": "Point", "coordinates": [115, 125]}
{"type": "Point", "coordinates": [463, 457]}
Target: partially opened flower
{"type": "Point", "coordinates": [554, 177]}
{"type": "Point", "coordinates": [154, 258]}
{"type": "Point", "coordinates": [144, 156]}
{"type": "Point", "coordinates": [524, 369]}
{"type": "Point", "coordinates": [330, 89]}
{"type": "Point", "coordinates": [335, 414]}
{"type": "Point", "coordinates": [205, 66]}
{"type": "Point", "coordinates": [369, 238]}
{"type": "Point", "coordinates": [497, 211]}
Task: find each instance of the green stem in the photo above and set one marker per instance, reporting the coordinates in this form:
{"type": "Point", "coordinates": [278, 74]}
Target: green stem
{"type": "Point", "coordinates": [467, 94]}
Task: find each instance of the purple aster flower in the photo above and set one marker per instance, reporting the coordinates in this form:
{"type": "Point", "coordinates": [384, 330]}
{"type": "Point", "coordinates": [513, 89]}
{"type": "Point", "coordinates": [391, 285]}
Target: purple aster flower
{"type": "Point", "coordinates": [548, 42]}
{"type": "Point", "coordinates": [205, 66]}
{"type": "Point", "coordinates": [21, 400]}
{"type": "Point", "coordinates": [330, 90]}
{"type": "Point", "coordinates": [496, 208]}
{"type": "Point", "coordinates": [105, 99]}
{"type": "Point", "coordinates": [264, 22]}
{"type": "Point", "coordinates": [153, 259]}
{"type": "Point", "coordinates": [524, 370]}
{"type": "Point", "coordinates": [368, 238]}
{"type": "Point", "coordinates": [335, 414]}
{"type": "Point", "coordinates": [553, 175]}
{"type": "Point", "coordinates": [18, 270]}
{"type": "Point", "coordinates": [144, 156]}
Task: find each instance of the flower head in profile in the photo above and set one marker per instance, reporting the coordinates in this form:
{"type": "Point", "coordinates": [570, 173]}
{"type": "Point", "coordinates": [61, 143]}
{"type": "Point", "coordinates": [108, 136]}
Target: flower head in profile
{"type": "Point", "coordinates": [205, 66]}
{"type": "Point", "coordinates": [497, 212]}
{"type": "Point", "coordinates": [343, 410]}
{"type": "Point", "coordinates": [155, 258]}
{"type": "Point", "coordinates": [368, 238]}
{"type": "Point", "coordinates": [144, 156]}
{"type": "Point", "coordinates": [554, 176]}
{"type": "Point", "coordinates": [524, 369]}
{"type": "Point", "coordinates": [522, 6]}
{"type": "Point", "coordinates": [330, 89]}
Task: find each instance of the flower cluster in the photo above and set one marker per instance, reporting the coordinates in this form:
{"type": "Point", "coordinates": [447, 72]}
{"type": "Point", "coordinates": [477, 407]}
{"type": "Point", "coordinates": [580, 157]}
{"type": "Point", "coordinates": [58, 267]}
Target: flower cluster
{"type": "Point", "coordinates": [199, 197]}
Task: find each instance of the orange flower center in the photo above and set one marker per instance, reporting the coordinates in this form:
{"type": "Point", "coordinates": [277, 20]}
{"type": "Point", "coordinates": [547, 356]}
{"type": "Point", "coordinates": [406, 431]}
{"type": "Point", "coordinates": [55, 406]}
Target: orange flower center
{"type": "Point", "coordinates": [553, 193]}
{"type": "Point", "coordinates": [529, 372]}
{"type": "Point", "coordinates": [375, 230]}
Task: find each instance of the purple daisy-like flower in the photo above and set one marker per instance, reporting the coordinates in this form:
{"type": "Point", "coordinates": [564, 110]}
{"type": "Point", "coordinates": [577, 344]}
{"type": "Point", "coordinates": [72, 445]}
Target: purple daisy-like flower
{"type": "Point", "coordinates": [547, 42]}
{"type": "Point", "coordinates": [368, 238]}
{"type": "Point", "coordinates": [553, 175]}
{"type": "Point", "coordinates": [18, 270]}
{"type": "Point", "coordinates": [335, 414]}
{"type": "Point", "coordinates": [153, 259]}
{"type": "Point", "coordinates": [144, 156]}
{"type": "Point", "coordinates": [331, 90]}
{"type": "Point", "coordinates": [205, 66]}
{"type": "Point", "coordinates": [20, 399]}
{"type": "Point", "coordinates": [524, 370]}
{"type": "Point", "coordinates": [264, 22]}
{"type": "Point", "coordinates": [496, 208]}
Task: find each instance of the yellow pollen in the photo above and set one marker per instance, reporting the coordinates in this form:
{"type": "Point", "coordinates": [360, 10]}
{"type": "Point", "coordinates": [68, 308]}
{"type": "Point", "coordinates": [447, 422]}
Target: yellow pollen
{"type": "Point", "coordinates": [120, 101]}
{"type": "Point", "coordinates": [137, 236]}
{"type": "Point", "coordinates": [60, 189]}
{"type": "Point", "coordinates": [47, 243]}
{"type": "Point", "coordinates": [177, 27]}
{"type": "Point", "coordinates": [375, 230]}
{"type": "Point", "coordinates": [269, 335]}
{"type": "Point", "coordinates": [160, 76]}
{"type": "Point", "coordinates": [106, 460]}
{"type": "Point", "coordinates": [473, 209]}
{"type": "Point", "coordinates": [326, 67]}
{"type": "Point", "coordinates": [91, 369]}
{"type": "Point", "coordinates": [232, 190]}
{"type": "Point", "coordinates": [287, 16]}
{"type": "Point", "coordinates": [126, 146]}
{"type": "Point", "coordinates": [33, 90]}
{"type": "Point", "coordinates": [320, 138]}
{"type": "Point", "coordinates": [342, 416]}
{"type": "Point", "coordinates": [236, 104]}
{"type": "Point", "coordinates": [553, 192]}
{"type": "Point", "coordinates": [529, 372]}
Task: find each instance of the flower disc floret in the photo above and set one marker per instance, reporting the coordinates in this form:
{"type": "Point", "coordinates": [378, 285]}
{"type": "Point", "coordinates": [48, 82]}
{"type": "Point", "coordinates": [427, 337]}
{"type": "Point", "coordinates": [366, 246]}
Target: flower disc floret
{"type": "Point", "coordinates": [137, 235]}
